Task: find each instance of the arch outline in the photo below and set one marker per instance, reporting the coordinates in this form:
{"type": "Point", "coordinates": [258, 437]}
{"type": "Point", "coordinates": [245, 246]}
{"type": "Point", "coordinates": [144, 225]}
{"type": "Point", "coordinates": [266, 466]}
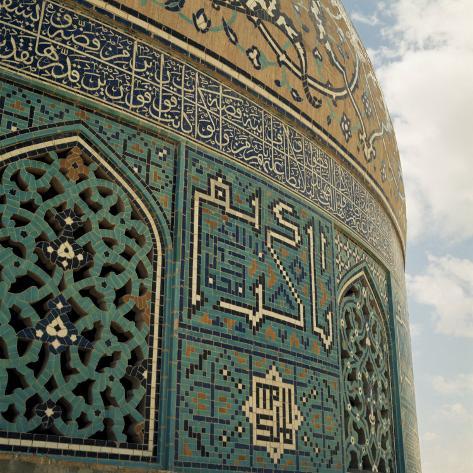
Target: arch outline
{"type": "Point", "coordinates": [32, 143]}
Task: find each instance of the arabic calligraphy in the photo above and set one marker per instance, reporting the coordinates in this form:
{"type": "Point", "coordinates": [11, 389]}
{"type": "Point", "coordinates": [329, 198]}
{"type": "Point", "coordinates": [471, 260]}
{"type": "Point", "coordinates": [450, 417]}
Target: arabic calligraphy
{"type": "Point", "coordinates": [43, 39]}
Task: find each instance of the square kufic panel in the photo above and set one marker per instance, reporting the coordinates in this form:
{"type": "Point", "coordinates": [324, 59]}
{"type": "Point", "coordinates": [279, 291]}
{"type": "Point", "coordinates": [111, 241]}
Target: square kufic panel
{"type": "Point", "coordinates": [240, 409]}
{"type": "Point", "coordinates": [257, 263]}
{"type": "Point", "coordinates": [257, 381]}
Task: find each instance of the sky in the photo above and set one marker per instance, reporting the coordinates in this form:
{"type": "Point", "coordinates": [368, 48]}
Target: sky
{"type": "Point", "coordinates": [422, 51]}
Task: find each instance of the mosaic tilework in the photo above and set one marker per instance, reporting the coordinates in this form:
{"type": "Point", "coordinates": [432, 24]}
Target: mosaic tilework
{"type": "Point", "coordinates": [145, 156]}
{"type": "Point", "coordinates": [57, 45]}
{"type": "Point", "coordinates": [303, 57]}
{"type": "Point", "coordinates": [350, 255]}
{"type": "Point", "coordinates": [273, 414]}
{"type": "Point", "coordinates": [406, 384]}
{"type": "Point", "coordinates": [78, 299]}
{"type": "Point", "coordinates": [259, 271]}
{"type": "Point", "coordinates": [369, 426]}
{"type": "Point", "coordinates": [44, 327]}
{"type": "Point", "coordinates": [261, 265]}
{"type": "Point", "coordinates": [254, 359]}
{"type": "Point", "coordinates": [231, 415]}
{"type": "Point", "coordinates": [353, 263]}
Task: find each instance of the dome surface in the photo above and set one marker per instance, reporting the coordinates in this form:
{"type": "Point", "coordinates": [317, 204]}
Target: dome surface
{"type": "Point", "coordinates": [302, 56]}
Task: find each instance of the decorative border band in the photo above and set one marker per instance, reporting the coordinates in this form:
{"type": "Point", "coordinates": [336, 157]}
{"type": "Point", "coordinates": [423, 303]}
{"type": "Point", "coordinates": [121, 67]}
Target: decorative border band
{"type": "Point", "coordinates": [55, 44]}
{"type": "Point", "coordinates": [153, 27]}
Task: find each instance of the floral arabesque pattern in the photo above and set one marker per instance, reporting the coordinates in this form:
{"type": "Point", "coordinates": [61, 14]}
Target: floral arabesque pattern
{"type": "Point", "coordinates": [369, 442]}
{"type": "Point", "coordinates": [73, 338]}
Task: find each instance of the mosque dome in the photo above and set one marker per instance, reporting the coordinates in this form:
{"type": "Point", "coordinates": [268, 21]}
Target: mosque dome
{"type": "Point", "coordinates": [202, 239]}
{"type": "Point", "coordinates": [306, 61]}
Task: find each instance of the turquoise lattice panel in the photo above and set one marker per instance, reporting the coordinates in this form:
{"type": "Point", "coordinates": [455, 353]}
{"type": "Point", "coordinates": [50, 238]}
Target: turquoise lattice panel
{"type": "Point", "coordinates": [367, 381]}
{"type": "Point", "coordinates": [349, 258]}
{"type": "Point", "coordinates": [80, 285]}
{"type": "Point", "coordinates": [242, 410]}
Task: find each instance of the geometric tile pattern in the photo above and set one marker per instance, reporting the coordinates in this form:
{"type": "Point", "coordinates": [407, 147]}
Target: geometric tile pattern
{"type": "Point", "coordinates": [129, 75]}
{"type": "Point", "coordinates": [258, 266]}
{"type": "Point", "coordinates": [216, 430]}
{"type": "Point", "coordinates": [273, 413]}
{"type": "Point", "coordinates": [256, 373]}
{"type": "Point", "coordinates": [258, 287]}
{"type": "Point", "coordinates": [317, 439]}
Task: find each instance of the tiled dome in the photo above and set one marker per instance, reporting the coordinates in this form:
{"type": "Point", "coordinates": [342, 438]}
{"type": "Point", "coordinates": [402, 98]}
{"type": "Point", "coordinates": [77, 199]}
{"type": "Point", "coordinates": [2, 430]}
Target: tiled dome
{"type": "Point", "coordinates": [303, 58]}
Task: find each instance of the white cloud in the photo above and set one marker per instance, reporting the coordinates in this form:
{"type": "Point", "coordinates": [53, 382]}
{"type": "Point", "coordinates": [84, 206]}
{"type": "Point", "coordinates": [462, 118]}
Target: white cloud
{"type": "Point", "coordinates": [426, 77]}
{"type": "Point", "coordinates": [460, 385]}
{"type": "Point", "coordinates": [456, 412]}
{"type": "Point", "coordinates": [446, 286]}
{"type": "Point", "coordinates": [446, 445]}
{"type": "Point", "coordinates": [426, 24]}
{"type": "Point", "coordinates": [359, 17]}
